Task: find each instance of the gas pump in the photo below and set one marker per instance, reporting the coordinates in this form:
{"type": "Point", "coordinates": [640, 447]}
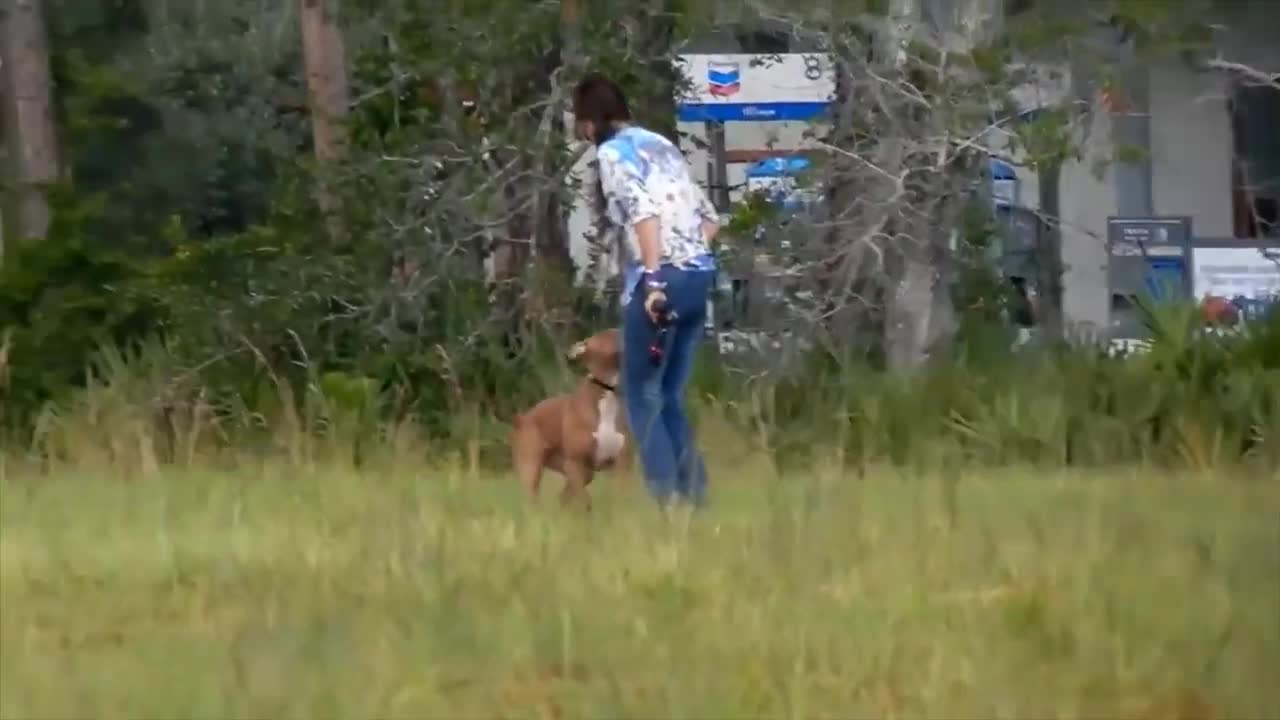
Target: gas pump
{"type": "Point", "coordinates": [1005, 189]}
{"type": "Point", "coordinates": [1150, 258]}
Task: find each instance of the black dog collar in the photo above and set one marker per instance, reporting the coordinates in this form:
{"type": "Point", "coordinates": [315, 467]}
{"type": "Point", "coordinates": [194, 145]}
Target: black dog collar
{"type": "Point", "coordinates": [602, 384]}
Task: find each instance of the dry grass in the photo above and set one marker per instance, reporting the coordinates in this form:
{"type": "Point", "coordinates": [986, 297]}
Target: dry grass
{"type": "Point", "coordinates": [410, 593]}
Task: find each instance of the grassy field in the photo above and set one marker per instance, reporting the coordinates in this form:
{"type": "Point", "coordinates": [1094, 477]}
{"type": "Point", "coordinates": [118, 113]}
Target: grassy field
{"type": "Point", "coordinates": [1011, 594]}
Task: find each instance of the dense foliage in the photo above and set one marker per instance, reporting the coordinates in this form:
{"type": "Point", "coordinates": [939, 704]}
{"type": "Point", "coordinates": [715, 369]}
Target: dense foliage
{"type": "Point", "coordinates": [187, 287]}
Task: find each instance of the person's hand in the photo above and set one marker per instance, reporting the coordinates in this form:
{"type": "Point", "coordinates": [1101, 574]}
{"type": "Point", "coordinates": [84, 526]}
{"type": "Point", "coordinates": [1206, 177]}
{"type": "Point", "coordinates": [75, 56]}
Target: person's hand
{"type": "Point", "coordinates": [655, 305]}
{"type": "Point", "coordinates": [655, 298]}
{"type": "Point", "coordinates": [710, 229]}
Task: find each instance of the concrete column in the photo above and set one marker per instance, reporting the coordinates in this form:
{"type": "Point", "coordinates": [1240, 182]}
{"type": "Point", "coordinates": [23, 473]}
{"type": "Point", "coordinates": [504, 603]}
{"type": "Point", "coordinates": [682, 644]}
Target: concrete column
{"type": "Point", "coordinates": [717, 166]}
{"type": "Point", "coordinates": [1131, 138]}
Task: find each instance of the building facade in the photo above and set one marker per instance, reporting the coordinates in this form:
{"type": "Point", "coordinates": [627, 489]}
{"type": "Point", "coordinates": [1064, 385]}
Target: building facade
{"type": "Point", "coordinates": [1213, 151]}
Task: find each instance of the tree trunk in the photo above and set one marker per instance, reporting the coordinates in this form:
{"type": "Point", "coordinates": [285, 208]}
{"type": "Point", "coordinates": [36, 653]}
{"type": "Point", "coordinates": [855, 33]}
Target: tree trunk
{"type": "Point", "coordinates": [535, 250]}
{"type": "Point", "coordinates": [328, 94]}
{"type": "Point", "coordinates": [28, 117]}
{"type": "Point", "coordinates": [911, 276]}
{"type": "Point", "coordinates": [657, 38]}
{"type": "Point", "coordinates": [968, 24]}
{"type": "Point", "coordinates": [919, 314]}
{"type": "Point", "coordinates": [582, 224]}
{"type": "Point", "coordinates": [570, 33]}
{"type": "Point", "coordinates": [909, 307]}
{"type": "Point", "coordinates": [6, 170]}
{"type": "Point", "coordinates": [844, 272]}
{"type": "Point", "coordinates": [551, 235]}
{"type": "Point", "coordinates": [1048, 307]}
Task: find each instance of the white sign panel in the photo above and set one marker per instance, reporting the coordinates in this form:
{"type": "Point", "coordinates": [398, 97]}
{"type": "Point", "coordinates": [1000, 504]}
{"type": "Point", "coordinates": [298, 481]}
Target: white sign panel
{"type": "Point", "coordinates": [1128, 346]}
{"type": "Point", "coordinates": [1004, 192]}
{"type": "Point", "coordinates": [1236, 272]}
{"type": "Point", "coordinates": [748, 87]}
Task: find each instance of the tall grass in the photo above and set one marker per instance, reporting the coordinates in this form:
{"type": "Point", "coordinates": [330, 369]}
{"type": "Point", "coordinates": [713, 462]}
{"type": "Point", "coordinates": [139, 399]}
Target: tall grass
{"type": "Point", "coordinates": [1056, 533]}
{"type": "Point", "coordinates": [1196, 400]}
{"type": "Point", "coordinates": [270, 592]}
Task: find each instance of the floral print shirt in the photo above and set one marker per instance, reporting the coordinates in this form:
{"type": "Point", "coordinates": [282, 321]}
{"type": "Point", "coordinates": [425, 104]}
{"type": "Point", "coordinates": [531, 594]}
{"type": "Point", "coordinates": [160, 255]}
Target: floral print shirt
{"type": "Point", "coordinates": [644, 175]}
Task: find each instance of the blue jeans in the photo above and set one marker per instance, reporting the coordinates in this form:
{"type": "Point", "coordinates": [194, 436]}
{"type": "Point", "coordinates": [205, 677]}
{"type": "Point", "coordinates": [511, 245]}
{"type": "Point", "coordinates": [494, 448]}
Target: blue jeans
{"type": "Point", "coordinates": [654, 394]}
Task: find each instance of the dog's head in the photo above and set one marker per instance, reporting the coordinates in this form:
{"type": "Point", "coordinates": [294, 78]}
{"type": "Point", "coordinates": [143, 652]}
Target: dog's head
{"type": "Point", "coordinates": [601, 354]}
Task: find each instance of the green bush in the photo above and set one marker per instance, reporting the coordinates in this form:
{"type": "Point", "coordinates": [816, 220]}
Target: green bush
{"type": "Point", "coordinates": [187, 294]}
{"type": "Point", "coordinates": [1194, 399]}
{"type": "Point", "coordinates": [63, 298]}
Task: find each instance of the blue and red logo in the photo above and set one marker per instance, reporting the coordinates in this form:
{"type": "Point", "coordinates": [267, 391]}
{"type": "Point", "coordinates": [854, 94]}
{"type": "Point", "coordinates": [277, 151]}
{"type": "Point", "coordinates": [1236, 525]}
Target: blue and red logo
{"type": "Point", "coordinates": [724, 78]}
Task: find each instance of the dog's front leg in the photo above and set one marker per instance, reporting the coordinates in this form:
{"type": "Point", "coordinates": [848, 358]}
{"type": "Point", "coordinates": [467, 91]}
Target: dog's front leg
{"type": "Point", "coordinates": [577, 476]}
{"type": "Point", "coordinates": [529, 471]}
{"type": "Point", "coordinates": [527, 455]}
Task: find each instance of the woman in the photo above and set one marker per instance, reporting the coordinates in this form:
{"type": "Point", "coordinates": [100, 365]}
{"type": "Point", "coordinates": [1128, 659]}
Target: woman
{"type": "Point", "coordinates": [668, 269]}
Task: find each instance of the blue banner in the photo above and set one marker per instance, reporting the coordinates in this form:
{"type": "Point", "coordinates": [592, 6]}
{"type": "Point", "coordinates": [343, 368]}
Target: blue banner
{"type": "Point", "coordinates": [1166, 278]}
{"type": "Point", "coordinates": [748, 112]}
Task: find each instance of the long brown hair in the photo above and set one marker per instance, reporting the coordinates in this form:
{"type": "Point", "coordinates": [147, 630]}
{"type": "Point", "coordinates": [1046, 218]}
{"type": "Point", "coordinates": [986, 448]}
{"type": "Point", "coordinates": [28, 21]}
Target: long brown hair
{"type": "Point", "coordinates": [600, 100]}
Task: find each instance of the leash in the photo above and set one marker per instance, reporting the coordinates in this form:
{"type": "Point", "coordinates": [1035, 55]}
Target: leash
{"type": "Point", "coordinates": [666, 317]}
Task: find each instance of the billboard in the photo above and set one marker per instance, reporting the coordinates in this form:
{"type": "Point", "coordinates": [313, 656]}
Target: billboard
{"type": "Point", "coordinates": [1248, 277]}
{"type": "Point", "coordinates": [754, 88]}
{"type": "Point", "coordinates": [1148, 236]}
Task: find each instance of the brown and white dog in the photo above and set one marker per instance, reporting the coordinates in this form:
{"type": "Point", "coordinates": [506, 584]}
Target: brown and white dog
{"type": "Point", "coordinates": [578, 433]}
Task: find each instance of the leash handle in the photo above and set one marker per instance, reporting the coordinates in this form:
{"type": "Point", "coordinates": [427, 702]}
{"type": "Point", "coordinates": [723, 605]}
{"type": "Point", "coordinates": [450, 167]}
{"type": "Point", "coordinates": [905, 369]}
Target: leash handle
{"type": "Point", "coordinates": [666, 317]}
{"type": "Point", "coordinates": [656, 346]}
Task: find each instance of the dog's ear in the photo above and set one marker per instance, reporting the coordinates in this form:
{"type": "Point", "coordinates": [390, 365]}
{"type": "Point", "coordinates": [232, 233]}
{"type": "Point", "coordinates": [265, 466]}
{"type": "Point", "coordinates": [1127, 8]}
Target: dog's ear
{"type": "Point", "coordinates": [578, 350]}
